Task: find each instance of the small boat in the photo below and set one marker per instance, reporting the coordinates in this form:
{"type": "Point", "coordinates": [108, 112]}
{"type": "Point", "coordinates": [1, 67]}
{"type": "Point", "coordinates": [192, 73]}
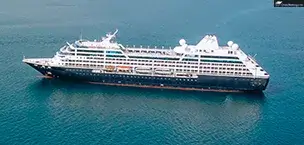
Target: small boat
{"type": "Point", "coordinates": [97, 71]}
{"type": "Point", "coordinates": [278, 2]}
{"type": "Point", "coordinates": [109, 68]}
{"type": "Point", "coordinates": [163, 71]}
{"type": "Point", "coordinates": [143, 70]}
{"type": "Point", "coordinates": [183, 74]}
{"type": "Point", "coordinates": [124, 68]}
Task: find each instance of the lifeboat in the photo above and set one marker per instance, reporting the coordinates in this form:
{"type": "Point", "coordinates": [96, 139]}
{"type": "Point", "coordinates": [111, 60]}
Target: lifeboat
{"type": "Point", "coordinates": [143, 70]}
{"type": "Point", "coordinates": [183, 74]}
{"type": "Point", "coordinates": [97, 71]}
{"type": "Point", "coordinates": [109, 68]}
{"type": "Point", "coordinates": [163, 71]}
{"type": "Point", "coordinates": [124, 68]}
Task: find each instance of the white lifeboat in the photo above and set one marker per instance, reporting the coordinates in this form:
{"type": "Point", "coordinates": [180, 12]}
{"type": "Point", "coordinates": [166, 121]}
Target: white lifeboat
{"type": "Point", "coordinates": [143, 70]}
{"type": "Point", "coordinates": [163, 71]}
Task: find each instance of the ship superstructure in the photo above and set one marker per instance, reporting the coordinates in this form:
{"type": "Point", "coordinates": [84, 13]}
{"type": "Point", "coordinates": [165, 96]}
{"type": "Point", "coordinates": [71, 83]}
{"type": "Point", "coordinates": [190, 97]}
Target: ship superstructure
{"type": "Point", "coordinates": [205, 66]}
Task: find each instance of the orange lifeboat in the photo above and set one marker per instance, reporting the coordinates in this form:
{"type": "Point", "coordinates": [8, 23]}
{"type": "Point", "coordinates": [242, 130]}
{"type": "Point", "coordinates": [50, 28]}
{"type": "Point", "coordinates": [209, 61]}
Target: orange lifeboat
{"type": "Point", "coordinates": [124, 68]}
{"type": "Point", "coordinates": [110, 68]}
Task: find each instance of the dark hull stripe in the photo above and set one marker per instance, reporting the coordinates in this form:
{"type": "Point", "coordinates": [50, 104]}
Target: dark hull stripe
{"type": "Point", "coordinates": [164, 87]}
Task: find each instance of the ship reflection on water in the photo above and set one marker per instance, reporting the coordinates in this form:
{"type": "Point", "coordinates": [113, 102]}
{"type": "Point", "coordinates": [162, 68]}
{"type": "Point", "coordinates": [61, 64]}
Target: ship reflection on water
{"type": "Point", "coordinates": [176, 111]}
{"type": "Point", "coordinates": [138, 92]}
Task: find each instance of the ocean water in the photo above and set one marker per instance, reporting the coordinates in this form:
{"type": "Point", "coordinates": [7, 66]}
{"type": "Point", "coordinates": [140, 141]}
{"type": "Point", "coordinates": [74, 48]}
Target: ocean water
{"type": "Point", "coordinates": [38, 111]}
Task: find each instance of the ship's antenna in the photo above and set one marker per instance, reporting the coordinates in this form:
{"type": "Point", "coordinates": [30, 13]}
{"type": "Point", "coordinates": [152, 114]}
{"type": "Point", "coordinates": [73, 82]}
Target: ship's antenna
{"type": "Point", "coordinates": [253, 57]}
{"type": "Point", "coordinates": [80, 37]}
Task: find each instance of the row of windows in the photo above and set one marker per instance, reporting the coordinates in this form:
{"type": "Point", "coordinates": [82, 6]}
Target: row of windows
{"type": "Point", "coordinates": [225, 64]}
{"type": "Point", "coordinates": [121, 56]}
{"type": "Point", "coordinates": [222, 61]}
{"type": "Point", "coordinates": [92, 54]}
{"type": "Point", "coordinates": [177, 70]}
{"type": "Point", "coordinates": [138, 77]}
{"type": "Point", "coordinates": [223, 57]}
{"type": "Point", "coordinates": [95, 65]}
{"type": "Point", "coordinates": [113, 52]}
{"type": "Point", "coordinates": [100, 51]}
{"type": "Point", "coordinates": [223, 68]}
{"type": "Point", "coordinates": [155, 62]}
{"type": "Point", "coordinates": [95, 58]}
{"type": "Point", "coordinates": [227, 72]}
{"type": "Point", "coordinates": [164, 64]}
{"type": "Point", "coordinates": [151, 52]}
{"type": "Point", "coordinates": [91, 51]}
{"type": "Point", "coordinates": [161, 78]}
{"type": "Point", "coordinates": [100, 56]}
{"type": "Point", "coordinates": [144, 51]}
{"type": "Point", "coordinates": [190, 59]}
{"type": "Point", "coordinates": [81, 70]}
{"type": "Point", "coordinates": [65, 53]}
{"type": "Point", "coordinates": [147, 57]}
{"type": "Point", "coordinates": [181, 70]}
{"type": "Point", "coordinates": [186, 69]}
{"type": "Point", "coordinates": [195, 56]}
{"type": "Point", "coordinates": [207, 60]}
{"type": "Point", "coordinates": [230, 52]}
{"type": "Point", "coordinates": [150, 77]}
{"type": "Point", "coordinates": [162, 58]}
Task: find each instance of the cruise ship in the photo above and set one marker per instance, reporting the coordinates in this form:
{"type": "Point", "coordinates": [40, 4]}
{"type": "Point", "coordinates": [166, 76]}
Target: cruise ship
{"type": "Point", "coordinates": [205, 66]}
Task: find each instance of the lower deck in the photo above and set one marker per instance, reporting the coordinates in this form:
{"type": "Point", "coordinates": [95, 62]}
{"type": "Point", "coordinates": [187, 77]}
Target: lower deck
{"type": "Point", "coordinates": [199, 82]}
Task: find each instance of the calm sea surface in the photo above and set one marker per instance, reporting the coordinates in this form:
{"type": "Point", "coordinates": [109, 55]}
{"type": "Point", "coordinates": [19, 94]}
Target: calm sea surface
{"type": "Point", "coordinates": [37, 111]}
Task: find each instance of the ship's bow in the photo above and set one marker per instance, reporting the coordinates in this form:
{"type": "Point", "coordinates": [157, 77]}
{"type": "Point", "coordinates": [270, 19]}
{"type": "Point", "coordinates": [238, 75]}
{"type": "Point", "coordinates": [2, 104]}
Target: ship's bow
{"type": "Point", "coordinates": [39, 64]}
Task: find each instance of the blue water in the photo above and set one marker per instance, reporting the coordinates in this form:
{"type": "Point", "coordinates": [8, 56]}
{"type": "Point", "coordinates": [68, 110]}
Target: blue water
{"type": "Point", "coordinates": [37, 111]}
